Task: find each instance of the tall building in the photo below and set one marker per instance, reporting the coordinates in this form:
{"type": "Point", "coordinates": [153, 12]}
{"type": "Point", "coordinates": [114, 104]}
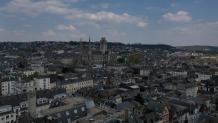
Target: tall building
{"type": "Point", "coordinates": [103, 45]}
{"type": "Point", "coordinates": [85, 52]}
{"type": "Point", "coordinates": [8, 88]}
{"type": "Point", "coordinates": [82, 52]}
{"type": "Point", "coordinates": [89, 53]}
{"type": "Point", "coordinates": [103, 49]}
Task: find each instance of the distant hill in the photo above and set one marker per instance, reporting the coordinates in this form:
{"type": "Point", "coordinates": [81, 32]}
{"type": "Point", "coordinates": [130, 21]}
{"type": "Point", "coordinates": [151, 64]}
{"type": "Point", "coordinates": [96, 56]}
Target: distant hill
{"type": "Point", "coordinates": [110, 44]}
{"type": "Point", "coordinates": [209, 49]}
{"type": "Point", "coordinates": [154, 46]}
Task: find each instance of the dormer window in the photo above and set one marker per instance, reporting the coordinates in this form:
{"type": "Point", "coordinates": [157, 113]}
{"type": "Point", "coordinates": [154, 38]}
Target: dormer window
{"type": "Point", "coordinates": [44, 101]}
{"type": "Point", "coordinates": [75, 111]}
{"type": "Point", "coordinates": [83, 109]}
{"type": "Point", "coordinates": [23, 105]}
{"type": "Point", "coordinates": [67, 113]}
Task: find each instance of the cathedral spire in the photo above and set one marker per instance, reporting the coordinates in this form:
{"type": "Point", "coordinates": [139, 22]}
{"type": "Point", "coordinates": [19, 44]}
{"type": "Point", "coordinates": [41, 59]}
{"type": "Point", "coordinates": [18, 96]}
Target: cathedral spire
{"type": "Point", "coordinates": [89, 39]}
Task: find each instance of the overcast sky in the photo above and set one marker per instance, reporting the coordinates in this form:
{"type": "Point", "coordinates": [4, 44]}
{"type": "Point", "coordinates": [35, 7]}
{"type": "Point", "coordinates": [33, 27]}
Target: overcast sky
{"type": "Point", "coordinates": [174, 22]}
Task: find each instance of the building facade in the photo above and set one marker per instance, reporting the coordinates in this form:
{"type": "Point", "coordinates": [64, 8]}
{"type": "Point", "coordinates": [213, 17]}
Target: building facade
{"type": "Point", "coordinates": [8, 88]}
{"type": "Point", "coordinates": [7, 115]}
{"type": "Point", "coordinates": [72, 86]}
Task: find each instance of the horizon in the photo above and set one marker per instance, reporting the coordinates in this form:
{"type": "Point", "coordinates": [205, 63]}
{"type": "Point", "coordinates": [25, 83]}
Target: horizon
{"type": "Point", "coordinates": [171, 22]}
{"type": "Point", "coordinates": [86, 41]}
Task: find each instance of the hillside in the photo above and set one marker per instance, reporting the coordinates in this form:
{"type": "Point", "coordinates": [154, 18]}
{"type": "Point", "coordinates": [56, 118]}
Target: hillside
{"type": "Point", "coordinates": [209, 49]}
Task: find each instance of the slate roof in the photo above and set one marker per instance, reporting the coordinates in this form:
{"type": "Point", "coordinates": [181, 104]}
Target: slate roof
{"type": "Point", "coordinates": [15, 100]}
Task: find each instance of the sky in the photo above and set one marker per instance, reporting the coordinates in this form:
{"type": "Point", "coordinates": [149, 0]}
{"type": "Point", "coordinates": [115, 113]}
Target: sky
{"type": "Point", "coordinates": [173, 22]}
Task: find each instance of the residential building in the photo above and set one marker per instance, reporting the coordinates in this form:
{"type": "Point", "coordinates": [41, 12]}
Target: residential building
{"type": "Point", "coordinates": [42, 83]}
{"type": "Point", "coordinates": [73, 85]}
{"type": "Point", "coordinates": [7, 115]}
{"type": "Point", "coordinates": [8, 88]}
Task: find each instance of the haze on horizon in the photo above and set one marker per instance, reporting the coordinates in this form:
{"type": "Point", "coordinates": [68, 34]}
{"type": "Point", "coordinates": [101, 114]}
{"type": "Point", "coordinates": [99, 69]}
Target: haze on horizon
{"type": "Point", "coordinates": [173, 22]}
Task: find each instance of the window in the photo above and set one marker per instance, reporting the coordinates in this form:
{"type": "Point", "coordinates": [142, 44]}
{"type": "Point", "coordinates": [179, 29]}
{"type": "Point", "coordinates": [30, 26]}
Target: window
{"type": "Point", "coordinates": [83, 109]}
{"type": "Point", "coordinates": [3, 118]}
{"type": "Point", "coordinates": [24, 105]}
{"type": "Point", "coordinates": [58, 115]}
{"type": "Point", "coordinates": [75, 111]}
{"type": "Point", "coordinates": [67, 113]}
{"type": "Point", "coordinates": [12, 115]}
{"type": "Point", "coordinates": [7, 116]}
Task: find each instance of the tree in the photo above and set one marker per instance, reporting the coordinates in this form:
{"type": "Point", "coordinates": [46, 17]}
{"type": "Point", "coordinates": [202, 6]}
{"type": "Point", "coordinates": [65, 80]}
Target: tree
{"type": "Point", "coordinates": [134, 58]}
{"type": "Point", "coordinates": [121, 60]}
{"type": "Point", "coordinates": [31, 77]}
{"type": "Point", "coordinates": [68, 69]}
{"type": "Point", "coordinates": [139, 99]}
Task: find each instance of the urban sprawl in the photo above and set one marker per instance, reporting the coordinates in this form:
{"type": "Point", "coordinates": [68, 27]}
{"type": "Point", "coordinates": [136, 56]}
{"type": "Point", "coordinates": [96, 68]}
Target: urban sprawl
{"type": "Point", "coordinates": [106, 82]}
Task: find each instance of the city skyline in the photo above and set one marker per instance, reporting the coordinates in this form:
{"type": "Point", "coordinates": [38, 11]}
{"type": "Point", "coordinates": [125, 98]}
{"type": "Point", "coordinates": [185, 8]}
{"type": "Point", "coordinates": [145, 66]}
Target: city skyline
{"type": "Point", "coordinates": [172, 22]}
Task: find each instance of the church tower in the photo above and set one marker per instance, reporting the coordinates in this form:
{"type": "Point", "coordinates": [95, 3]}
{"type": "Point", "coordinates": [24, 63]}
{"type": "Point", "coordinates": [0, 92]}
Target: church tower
{"type": "Point", "coordinates": [103, 49]}
{"type": "Point", "coordinates": [103, 45]}
{"type": "Point", "coordinates": [89, 53]}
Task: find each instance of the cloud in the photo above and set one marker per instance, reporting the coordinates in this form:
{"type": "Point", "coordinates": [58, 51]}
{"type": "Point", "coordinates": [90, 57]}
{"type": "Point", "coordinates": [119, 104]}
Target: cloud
{"type": "Point", "coordinates": [33, 8]}
{"type": "Point", "coordinates": [96, 23]}
{"type": "Point", "coordinates": [27, 25]}
{"type": "Point", "coordinates": [49, 33]}
{"type": "Point", "coordinates": [61, 7]}
{"type": "Point", "coordinates": [2, 30]}
{"type": "Point", "coordinates": [180, 16]}
{"type": "Point", "coordinates": [66, 27]}
{"type": "Point", "coordinates": [204, 33]}
{"type": "Point", "coordinates": [56, 35]}
{"type": "Point", "coordinates": [19, 32]}
{"type": "Point", "coordinates": [101, 6]}
{"type": "Point", "coordinates": [173, 4]}
{"type": "Point", "coordinates": [71, 1]}
{"type": "Point", "coordinates": [104, 16]}
{"type": "Point", "coordinates": [142, 24]}
{"type": "Point", "coordinates": [199, 28]}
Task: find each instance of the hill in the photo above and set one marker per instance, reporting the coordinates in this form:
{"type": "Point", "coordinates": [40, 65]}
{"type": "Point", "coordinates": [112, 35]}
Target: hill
{"type": "Point", "coordinates": [207, 49]}
{"type": "Point", "coordinates": [154, 46]}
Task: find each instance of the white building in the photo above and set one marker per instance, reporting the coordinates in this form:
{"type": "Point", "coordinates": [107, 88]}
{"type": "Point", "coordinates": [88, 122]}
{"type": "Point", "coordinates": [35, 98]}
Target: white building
{"type": "Point", "coordinates": [24, 86]}
{"type": "Point", "coordinates": [38, 68]}
{"type": "Point", "coordinates": [7, 115]}
{"type": "Point", "coordinates": [179, 73]}
{"type": "Point", "coordinates": [144, 72]}
{"type": "Point", "coordinates": [72, 86]}
{"type": "Point", "coordinates": [201, 77]}
{"type": "Point", "coordinates": [8, 88]}
{"type": "Point", "coordinates": [191, 91]}
{"type": "Point", "coordinates": [42, 83]}
{"type": "Point", "coordinates": [38, 84]}
{"type": "Point", "coordinates": [59, 51]}
{"type": "Point", "coordinates": [15, 106]}
{"type": "Point", "coordinates": [29, 72]}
